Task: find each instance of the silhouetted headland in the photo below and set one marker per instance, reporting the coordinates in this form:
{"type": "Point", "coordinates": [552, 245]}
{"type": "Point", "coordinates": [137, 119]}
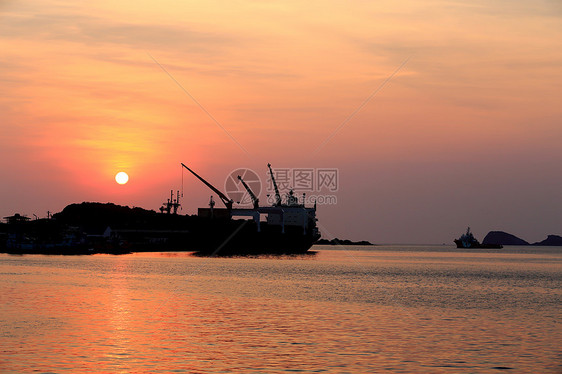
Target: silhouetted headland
{"type": "Point", "coordinates": [90, 228]}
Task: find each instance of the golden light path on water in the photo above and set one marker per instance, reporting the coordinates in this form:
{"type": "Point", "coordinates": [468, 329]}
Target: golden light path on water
{"type": "Point", "coordinates": [423, 311]}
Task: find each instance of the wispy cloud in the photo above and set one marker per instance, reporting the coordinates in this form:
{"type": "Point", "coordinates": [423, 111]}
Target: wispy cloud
{"type": "Point", "coordinates": [90, 30]}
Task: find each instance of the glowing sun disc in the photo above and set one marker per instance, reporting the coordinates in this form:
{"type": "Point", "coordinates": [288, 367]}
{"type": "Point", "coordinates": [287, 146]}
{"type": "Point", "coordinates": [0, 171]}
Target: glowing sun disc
{"type": "Point", "coordinates": [121, 177]}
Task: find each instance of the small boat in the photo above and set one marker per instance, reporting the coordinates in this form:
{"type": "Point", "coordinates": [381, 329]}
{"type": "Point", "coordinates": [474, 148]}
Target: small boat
{"type": "Point", "coordinates": [468, 240]}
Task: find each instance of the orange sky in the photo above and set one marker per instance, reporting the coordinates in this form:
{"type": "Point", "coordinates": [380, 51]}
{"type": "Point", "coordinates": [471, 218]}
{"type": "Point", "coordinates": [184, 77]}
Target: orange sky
{"type": "Point", "coordinates": [466, 133]}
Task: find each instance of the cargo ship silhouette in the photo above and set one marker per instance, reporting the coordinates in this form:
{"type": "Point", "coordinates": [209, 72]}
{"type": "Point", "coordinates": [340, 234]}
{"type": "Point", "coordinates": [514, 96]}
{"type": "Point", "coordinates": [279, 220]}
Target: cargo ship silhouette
{"type": "Point", "coordinates": [285, 227]}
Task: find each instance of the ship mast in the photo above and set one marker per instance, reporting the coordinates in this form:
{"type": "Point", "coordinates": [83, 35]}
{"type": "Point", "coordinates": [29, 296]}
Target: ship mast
{"type": "Point", "coordinates": [171, 204]}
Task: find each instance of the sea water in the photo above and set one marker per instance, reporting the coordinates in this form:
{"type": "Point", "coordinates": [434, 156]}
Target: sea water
{"type": "Point", "coordinates": [416, 309]}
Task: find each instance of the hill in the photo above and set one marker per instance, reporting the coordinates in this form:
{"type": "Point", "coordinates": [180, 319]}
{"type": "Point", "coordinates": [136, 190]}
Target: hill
{"type": "Point", "coordinates": [552, 240]}
{"type": "Point", "coordinates": [503, 238]}
{"type": "Point", "coordinates": [337, 241]}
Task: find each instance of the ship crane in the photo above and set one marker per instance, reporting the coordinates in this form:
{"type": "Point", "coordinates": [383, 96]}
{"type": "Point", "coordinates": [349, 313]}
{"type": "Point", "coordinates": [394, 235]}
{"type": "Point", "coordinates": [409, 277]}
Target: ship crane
{"type": "Point", "coordinates": [226, 201]}
{"type": "Point", "coordinates": [255, 200]}
{"type": "Point", "coordinates": [277, 195]}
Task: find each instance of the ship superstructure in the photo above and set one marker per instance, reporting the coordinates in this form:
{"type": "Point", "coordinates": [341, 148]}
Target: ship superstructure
{"type": "Point", "coordinates": [467, 240]}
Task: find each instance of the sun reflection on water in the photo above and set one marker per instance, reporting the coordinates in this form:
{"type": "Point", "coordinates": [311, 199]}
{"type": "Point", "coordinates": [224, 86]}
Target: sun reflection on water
{"type": "Point", "coordinates": [390, 312]}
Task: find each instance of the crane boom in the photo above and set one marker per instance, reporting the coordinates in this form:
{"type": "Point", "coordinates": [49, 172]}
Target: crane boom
{"type": "Point", "coordinates": [277, 195]}
{"type": "Point", "coordinates": [255, 200]}
{"type": "Point", "coordinates": [227, 202]}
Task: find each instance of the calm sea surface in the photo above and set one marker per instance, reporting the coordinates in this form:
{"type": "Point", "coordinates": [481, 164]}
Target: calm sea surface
{"type": "Point", "coordinates": [387, 309]}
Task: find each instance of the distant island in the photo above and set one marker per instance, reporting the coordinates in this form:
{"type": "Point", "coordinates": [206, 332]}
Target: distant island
{"type": "Point", "coordinates": [504, 238]}
{"type": "Point", "coordinates": [337, 241]}
{"type": "Point", "coordinates": [551, 240]}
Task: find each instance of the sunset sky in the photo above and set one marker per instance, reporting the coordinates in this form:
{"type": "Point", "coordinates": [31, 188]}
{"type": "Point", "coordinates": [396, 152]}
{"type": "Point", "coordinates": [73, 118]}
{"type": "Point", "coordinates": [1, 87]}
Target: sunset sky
{"type": "Point", "coordinates": [464, 127]}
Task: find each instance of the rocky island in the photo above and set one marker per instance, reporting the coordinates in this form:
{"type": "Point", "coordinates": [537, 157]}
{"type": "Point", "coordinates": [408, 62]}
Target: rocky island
{"type": "Point", "coordinates": [504, 238]}
{"type": "Point", "coordinates": [337, 241]}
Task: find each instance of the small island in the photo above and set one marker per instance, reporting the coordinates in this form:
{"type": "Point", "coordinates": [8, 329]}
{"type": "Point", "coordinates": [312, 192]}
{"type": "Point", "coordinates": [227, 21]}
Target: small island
{"type": "Point", "coordinates": [337, 241]}
{"type": "Point", "coordinates": [503, 238]}
{"type": "Point", "coordinates": [551, 240]}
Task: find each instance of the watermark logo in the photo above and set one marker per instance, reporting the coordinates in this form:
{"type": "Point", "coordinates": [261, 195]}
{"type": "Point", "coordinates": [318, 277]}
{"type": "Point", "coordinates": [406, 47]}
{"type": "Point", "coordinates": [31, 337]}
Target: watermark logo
{"type": "Point", "coordinates": [317, 180]}
{"type": "Point", "coordinates": [236, 191]}
{"type": "Point", "coordinates": [309, 185]}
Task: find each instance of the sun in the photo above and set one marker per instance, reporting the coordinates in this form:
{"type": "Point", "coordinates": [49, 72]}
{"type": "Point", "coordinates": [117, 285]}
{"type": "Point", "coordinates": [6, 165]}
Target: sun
{"type": "Point", "coordinates": [121, 177]}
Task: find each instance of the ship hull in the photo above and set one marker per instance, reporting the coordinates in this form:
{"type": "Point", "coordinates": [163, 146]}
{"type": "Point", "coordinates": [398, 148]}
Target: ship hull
{"type": "Point", "coordinates": [241, 237]}
{"type": "Point", "coordinates": [461, 244]}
